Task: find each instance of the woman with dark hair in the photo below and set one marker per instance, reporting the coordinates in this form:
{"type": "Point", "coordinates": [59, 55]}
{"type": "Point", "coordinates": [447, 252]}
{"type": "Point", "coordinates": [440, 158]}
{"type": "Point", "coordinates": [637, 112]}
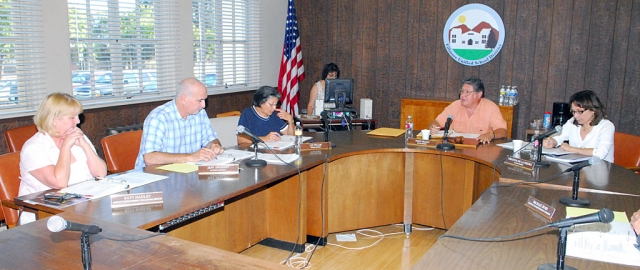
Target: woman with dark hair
{"type": "Point", "coordinates": [329, 71]}
{"type": "Point", "coordinates": [263, 119]}
{"type": "Point", "coordinates": [588, 132]}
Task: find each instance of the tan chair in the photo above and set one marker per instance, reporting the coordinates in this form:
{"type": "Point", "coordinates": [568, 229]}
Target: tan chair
{"type": "Point", "coordinates": [626, 152]}
{"type": "Point", "coordinates": [16, 137]}
{"type": "Point", "coordinates": [121, 150]}
{"type": "Point", "coordinates": [9, 185]}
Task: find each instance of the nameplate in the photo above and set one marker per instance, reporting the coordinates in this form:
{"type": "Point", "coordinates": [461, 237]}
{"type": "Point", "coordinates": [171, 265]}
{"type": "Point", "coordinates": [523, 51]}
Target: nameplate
{"type": "Point", "coordinates": [418, 142]}
{"type": "Point", "coordinates": [225, 177]}
{"type": "Point", "coordinates": [315, 146]}
{"type": "Point", "coordinates": [137, 208]}
{"type": "Point", "coordinates": [521, 163]}
{"type": "Point", "coordinates": [310, 117]}
{"type": "Point", "coordinates": [539, 207]}
{"type": "Point", "coordinates": [219, 169]}
{"type": "Point", "coordinates": [127, 200]}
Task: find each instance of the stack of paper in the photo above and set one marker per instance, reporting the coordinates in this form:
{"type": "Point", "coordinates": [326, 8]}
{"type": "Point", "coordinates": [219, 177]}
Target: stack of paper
{"type": "Point", "coordinates": [285, 142]}
{"type": "Point", "coordinates": [113, 184]}
{"type": "Point", "coordinates": [612, 242]}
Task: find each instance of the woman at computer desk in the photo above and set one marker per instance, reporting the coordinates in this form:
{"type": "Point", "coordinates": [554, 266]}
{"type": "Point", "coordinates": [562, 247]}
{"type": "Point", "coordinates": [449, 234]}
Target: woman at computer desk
{"type": "Point", "coordinates": [263, 119]}
{"type": "Point", "coordinates": [59, 154]}
{"type": "Point", "coordinates": [588, 132]}
{"type": "Point", "coordinates": [329, 71]}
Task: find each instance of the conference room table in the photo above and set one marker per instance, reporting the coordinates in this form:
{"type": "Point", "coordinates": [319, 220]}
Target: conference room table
{"type": "Point", "coordinates": [364, 181]}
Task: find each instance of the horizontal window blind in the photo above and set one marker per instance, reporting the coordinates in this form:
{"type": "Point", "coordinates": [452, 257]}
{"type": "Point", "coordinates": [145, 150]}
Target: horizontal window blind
{"type": "Point", "coordinates": [21, 57]}
{"type": "Point", "coordinates": [123, 50]}
{"type": "Point", "coordinates": [227, 43]}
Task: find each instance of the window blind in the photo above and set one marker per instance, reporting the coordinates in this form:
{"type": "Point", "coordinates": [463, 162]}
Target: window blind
{"type": "Point", "coordinates": [21, 57]}
{"type": "Point", "coordinates": [227, 43]}
{"type": "Point", "coordinates": [123, 50]}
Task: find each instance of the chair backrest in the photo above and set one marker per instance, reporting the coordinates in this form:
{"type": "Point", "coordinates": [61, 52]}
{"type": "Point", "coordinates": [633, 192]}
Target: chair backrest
{"type": "Point", "coordinates": [225, 127]}
{"type": "Point", "coordinates": [121, 150]}
{"type": "Point", "coordinates": [9, 184]}
{"type": "Point", "coordinates": [625, 149]}
{"type": "Point", "coordinates": [16, 137]}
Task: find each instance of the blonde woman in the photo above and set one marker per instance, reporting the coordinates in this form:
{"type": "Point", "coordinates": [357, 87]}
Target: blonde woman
{"type": "Point", "coordinates": [59, 154]}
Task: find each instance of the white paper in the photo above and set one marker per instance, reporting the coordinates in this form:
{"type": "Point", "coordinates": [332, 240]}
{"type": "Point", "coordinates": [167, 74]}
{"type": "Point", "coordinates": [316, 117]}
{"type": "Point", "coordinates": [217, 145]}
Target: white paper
{"type": "Point", "coordinates": [546, 151]}
{"type": "Point", "coordinates": [568, 159]}
{"type": "Point", "coordinates": [606, 247]}
{"type": "Point", "coordinates": [285, 142]}
{"type": "Point", "coordinates": [113, 184]}
{"type": "Point", "coordinates": [452, 133]}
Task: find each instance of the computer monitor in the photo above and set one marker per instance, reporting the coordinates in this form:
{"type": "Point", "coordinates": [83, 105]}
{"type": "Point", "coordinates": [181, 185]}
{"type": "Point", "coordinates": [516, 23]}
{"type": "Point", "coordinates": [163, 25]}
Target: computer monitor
{"type": "Point", "coordinates": [339, 91]}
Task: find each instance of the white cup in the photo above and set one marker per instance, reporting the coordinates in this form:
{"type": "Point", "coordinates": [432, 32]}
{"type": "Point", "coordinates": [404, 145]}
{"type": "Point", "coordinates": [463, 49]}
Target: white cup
{"type": "Point", "coordinates": [517, 144]}
{"type": "Point", "coordinates": [426, 134]}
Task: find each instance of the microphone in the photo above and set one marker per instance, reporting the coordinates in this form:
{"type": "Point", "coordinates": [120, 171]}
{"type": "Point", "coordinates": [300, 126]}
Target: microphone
{"type": "Point", "coordinates": [445, 145]}
{"type": "Point", "coordinates": [591, 161]}
{"type": "Point", "coordinates": [242, 130]}
{"type": "Point", "coordinates": [58, 224]}
{"type": "Point", "coordinates": [447, 125]}
{"type": "Point", "coordinates": [605, 215]}
{"type": "Point", "coordinates": [557, 129]}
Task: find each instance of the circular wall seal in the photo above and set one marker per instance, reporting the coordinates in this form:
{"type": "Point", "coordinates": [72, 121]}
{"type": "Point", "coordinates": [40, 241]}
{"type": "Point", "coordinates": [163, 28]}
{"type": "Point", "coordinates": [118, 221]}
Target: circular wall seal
{"type": "Point", "coordinates": [473, 34]}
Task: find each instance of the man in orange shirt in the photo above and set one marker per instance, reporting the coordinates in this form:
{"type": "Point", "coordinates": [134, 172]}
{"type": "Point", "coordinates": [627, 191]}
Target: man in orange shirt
{"type": "Point", "coordinates": [473, 113]}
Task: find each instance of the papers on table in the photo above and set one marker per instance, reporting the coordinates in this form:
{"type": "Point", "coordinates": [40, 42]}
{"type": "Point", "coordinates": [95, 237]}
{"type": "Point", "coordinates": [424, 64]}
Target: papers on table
{"type": "Point", "coordinates": [452, 133]}
{"type": "Point", "coordinates": [612, 242]}
{"type": "Point", "coordinates": [546, 151]}
{"type": "Point", "coordinates": [112, 184]}
{"type": "Point", "coordinates": [285, 142]}
{"type": "Point", "coordinates": [387, 132]}
{"type": "Point", "coordinates": [227, 157]}
{"type": "Point", "coordinates": [568, 159]}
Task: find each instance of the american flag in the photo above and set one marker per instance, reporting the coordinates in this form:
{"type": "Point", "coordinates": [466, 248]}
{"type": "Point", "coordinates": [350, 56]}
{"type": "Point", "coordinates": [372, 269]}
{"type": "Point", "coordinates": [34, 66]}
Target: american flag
{"type": "Point", "coordinates": [291, 67]}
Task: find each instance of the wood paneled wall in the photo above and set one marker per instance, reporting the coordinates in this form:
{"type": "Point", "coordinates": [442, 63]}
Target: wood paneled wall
{"type": "Point", "coordinates": [394, 49]}
{"type": "Point", "coordinates": [96, 121]}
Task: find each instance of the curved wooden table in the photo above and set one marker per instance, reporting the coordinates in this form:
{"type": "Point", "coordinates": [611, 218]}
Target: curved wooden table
{"type": "Point", "coordinates": [364, 181]}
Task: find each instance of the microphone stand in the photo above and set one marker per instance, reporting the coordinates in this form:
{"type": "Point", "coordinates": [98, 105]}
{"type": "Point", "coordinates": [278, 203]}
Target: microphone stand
{"type": "Point", "coordinates": [562, 249]}
{"type": "Point", "coordinates": [85, 249]}
{"type": "Point", "coordinates": [255, 162]}
{"type": "Point", "coordinates": [445, 145]}
{"type": "Point", "coordinates": [574, 200]}
{"type": "Point", "coordinates": [539, 161]}
{"type": "Point", "coordinates": [325, 124]}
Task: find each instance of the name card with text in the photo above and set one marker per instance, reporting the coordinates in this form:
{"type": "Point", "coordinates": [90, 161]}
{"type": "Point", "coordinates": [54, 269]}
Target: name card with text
{"type": "Point", "coordinates": [127, 200]}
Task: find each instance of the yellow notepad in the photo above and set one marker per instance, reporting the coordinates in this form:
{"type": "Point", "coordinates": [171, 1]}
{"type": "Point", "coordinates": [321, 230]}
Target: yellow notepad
{"type": "Point", "coordinates": [387, 132]}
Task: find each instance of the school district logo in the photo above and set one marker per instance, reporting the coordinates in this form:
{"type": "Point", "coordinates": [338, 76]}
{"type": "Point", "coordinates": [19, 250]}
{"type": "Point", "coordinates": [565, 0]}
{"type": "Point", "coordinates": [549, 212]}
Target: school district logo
{"type": "Point", "coordinates": [474, 34]}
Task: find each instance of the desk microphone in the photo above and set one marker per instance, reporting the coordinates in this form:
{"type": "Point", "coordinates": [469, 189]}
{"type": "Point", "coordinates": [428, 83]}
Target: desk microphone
{"type": "Point", "coordinates": [557, 129]}
{"type": "Point", "coordinates": [594, 160]}
{"type": "Point", "coordinates": [58, 224]}
{"type": "Point", "coordinates": [445, 145]}
{"type": "Point", "coordinates": [574, 200]}
{"type": "Point", "coordinates": [242, 130]}
{"type": "Point", "coordinates": [605, 215]}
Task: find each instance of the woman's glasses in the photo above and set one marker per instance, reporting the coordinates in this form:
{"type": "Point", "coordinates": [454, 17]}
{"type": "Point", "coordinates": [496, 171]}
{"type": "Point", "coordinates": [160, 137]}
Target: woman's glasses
{"type": "Point", "coordinates": [577, 112]}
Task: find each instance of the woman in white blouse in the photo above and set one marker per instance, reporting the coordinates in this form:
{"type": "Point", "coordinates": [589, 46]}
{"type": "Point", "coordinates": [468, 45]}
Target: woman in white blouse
{"type": "Point", "coordinates": [59, 154]}
{"type": "Point", "coordinates": [329, 71]}
{"type": "Point", "coordinates": [588, 132]}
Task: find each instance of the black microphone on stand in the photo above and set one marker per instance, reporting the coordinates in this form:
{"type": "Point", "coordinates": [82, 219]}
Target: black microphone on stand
{"type": "Point", "coordinates": [445, 145]}
{"type": "Point", "coordinates": [57, 224]}
{"type": "Point", "coordinates": [605, 215]}
{"type": "Point", "coordinates": [325, 125]}
{"type": "Point", "coordinates": [539, 138]}
{"type": "Point", "coordinates": [574, 200]}
{"type": "Point", "coordinates": [255, 162]}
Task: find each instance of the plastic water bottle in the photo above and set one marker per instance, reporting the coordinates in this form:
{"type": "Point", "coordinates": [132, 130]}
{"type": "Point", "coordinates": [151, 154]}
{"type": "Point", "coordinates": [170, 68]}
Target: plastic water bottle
{"type": "Point", "coordinates": [508, 101]}
{"type": "Point", "coordinates": [534, 145]}
{"type": "Point", "coordinates": [298, 133]}
{"type": "Point", "coordinates": [503, 94]}
{"type": "Point", "coordinates": [408, 129]}
{"type": "Point", "coordinates": [514, 95]}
